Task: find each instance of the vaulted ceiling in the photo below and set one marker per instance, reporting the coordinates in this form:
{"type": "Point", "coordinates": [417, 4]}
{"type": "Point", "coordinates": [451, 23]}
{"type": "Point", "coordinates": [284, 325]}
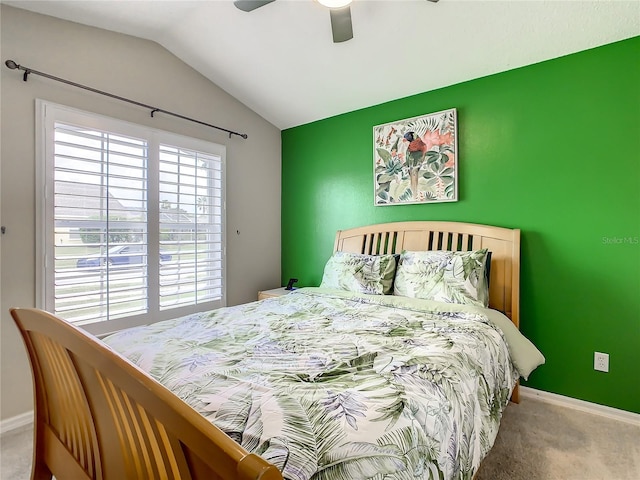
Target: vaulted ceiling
{"type": "Point", "coordinates": [281, 62]}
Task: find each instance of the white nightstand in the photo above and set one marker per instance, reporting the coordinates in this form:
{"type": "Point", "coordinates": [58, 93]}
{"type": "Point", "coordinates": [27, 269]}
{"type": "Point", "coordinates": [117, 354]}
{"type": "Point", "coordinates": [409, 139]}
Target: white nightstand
{"type": "Point", "coordinates": [276, 292]}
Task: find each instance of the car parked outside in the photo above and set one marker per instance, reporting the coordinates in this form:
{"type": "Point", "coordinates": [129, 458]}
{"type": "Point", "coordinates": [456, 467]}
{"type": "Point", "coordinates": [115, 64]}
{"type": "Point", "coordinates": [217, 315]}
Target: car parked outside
{"type": "Point", "coordinates": [132, 254]}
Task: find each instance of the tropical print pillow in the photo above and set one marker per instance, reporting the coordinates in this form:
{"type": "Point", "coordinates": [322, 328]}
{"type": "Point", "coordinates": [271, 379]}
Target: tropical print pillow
{"type": "Point", "coordinates": [451, 277]}
{"type": "Point", "coordinates": [360, 273]}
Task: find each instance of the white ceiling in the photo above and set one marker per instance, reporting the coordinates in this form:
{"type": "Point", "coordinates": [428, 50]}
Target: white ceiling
{"type": "Point", "coordinates": [280, 61]}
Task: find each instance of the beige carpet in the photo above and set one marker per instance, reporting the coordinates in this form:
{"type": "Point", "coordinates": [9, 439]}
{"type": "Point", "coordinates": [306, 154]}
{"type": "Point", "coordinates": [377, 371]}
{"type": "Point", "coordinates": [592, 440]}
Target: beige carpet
{"type": "Point", "coordinates": [15, 454]}
{"type": "Point", "coordinates": [537, 441]}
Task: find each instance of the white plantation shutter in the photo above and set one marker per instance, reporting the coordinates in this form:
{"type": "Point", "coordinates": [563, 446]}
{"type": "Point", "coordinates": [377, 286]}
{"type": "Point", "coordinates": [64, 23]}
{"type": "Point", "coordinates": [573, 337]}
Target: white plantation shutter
{"type": "Point", "coordinates": [99, 198]}
{"type": "Point", "coordinates": [131, 221]}
{"type": "Point", "coordinates": [190, 226]}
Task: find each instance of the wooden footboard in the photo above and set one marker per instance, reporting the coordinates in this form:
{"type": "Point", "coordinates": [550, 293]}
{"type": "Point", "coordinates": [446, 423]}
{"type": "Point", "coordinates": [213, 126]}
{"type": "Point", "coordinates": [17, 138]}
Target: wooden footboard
{"type": "Point", "coordinates": [97, 416]}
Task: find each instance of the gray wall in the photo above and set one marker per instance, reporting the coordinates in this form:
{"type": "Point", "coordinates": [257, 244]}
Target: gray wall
{"type": "Point", "coordinates": [144, 71]}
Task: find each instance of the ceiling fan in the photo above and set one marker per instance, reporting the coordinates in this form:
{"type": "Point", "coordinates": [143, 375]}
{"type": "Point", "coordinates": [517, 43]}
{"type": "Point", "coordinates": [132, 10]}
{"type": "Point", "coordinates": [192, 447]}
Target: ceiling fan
{"type": "Point", "coordinates": [339, 10]}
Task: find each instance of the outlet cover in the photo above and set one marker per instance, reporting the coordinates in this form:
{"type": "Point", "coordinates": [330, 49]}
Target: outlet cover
{"type": "Point", "coordinates": [601, 362]}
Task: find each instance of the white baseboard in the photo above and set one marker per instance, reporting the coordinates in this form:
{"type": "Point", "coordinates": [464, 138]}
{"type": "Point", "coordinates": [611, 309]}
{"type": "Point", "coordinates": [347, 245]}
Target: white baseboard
{"type": "Point", "coordinates": [13, 423]}
{"type": "Point", "coordinates": [588, 407]}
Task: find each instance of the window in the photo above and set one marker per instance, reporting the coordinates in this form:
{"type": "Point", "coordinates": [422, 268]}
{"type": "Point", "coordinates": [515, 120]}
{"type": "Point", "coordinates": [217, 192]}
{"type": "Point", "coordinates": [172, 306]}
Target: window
{"type": "Point", "coordinates": [131, 221]}
{"type": "Point", "coordinates": [190, 226]}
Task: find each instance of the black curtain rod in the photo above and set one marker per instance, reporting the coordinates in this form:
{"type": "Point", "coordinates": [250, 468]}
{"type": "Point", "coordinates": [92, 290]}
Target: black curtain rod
{"type": "Point", "coordinates": [13, 66]}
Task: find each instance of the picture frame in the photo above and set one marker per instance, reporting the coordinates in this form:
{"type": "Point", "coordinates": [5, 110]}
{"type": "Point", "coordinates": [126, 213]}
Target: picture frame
{"type": "Point", "coordinates": [415, 160]}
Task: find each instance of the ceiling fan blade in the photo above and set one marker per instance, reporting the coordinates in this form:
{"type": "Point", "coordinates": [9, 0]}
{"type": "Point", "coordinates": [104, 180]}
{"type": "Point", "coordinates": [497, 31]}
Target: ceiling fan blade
{"type": "Point", "coordinates": [248, 5]}
{"type": "Point", "coordinates": [434, 1]}
{"type": "Point", "coordinates": [341, 24]}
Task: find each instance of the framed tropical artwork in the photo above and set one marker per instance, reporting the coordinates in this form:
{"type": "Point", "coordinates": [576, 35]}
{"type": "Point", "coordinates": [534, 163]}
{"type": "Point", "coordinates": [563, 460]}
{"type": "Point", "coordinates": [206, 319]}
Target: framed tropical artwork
{"type": "Point", "coordinates": [416, 160]}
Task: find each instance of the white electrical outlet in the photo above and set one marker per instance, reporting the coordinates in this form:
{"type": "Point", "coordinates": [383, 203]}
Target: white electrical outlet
{"type": "Point", "coordinates": [601, 362]}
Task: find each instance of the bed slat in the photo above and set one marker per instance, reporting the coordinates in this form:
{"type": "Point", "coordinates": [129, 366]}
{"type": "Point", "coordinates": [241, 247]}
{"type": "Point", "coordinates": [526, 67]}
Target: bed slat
{"type": "Point", "coordinates": [69, 412]}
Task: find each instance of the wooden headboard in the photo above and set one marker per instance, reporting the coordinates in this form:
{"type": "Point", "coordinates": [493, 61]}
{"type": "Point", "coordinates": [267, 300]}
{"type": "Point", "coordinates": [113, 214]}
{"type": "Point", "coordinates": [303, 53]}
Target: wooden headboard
{"type": "Point", "coordinates": [503, 243]}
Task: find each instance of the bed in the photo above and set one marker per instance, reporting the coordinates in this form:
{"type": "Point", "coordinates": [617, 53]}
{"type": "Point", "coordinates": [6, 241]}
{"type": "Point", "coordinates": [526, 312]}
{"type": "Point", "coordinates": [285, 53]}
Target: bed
{"type": "Point", "coordinates": [326, 382]}
{"type": "Point", "coordinates": [336, 382]}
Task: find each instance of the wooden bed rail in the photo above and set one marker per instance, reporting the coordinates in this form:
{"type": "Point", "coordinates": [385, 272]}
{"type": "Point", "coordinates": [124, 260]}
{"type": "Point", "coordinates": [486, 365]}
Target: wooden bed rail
{"type": "Point", "coordinates": [99, 417]}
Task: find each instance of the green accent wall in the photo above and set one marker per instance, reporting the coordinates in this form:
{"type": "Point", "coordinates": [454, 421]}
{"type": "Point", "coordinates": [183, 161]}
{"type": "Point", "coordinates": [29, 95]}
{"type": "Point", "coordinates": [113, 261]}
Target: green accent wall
{"type": "Point", "coordinates": [553, 149]}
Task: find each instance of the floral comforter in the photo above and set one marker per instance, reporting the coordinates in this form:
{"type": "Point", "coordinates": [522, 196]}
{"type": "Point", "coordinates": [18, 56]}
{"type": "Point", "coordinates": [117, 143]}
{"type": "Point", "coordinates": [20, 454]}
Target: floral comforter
{"type": "Point", "coordinates": [335, 385]}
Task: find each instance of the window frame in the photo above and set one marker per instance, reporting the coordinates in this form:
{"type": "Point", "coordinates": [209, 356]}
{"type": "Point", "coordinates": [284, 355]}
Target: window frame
{"type": "Point", "coordinates": [47, 115]}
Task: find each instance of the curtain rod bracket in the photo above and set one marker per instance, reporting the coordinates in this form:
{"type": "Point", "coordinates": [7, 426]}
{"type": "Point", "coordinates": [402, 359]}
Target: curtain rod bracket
{"type": "Point", "coordinates": [14, 66]}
